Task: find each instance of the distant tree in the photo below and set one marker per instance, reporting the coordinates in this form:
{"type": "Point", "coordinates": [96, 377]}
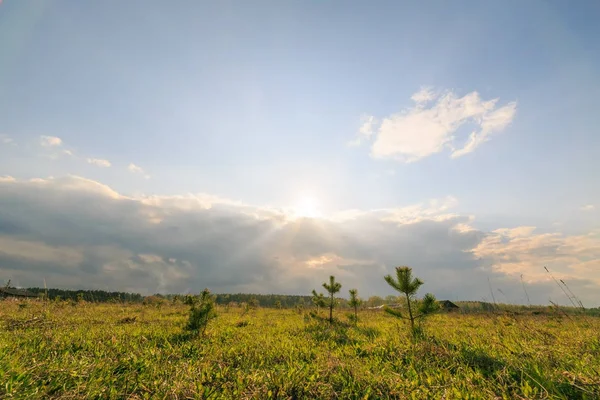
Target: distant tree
{"type": "Point", "coordinates": [253, 303]}
{"type": "Point", "coordinates": [374, 301]}
{"type": "Point", "coordinates": [277, 304]}
{"type": "Point", "coordinates": [355, 302]}
{"type": "Point", "coordinates": [332, 287]}
{"type": "Point", "coordinates": [391, 299]}
{"type": "Point", "coordinates": [407, 285]}
{"type": "Point", "coordinates": [225, 300]}
{"type": "Point", "coordinates": [153, 300]}
{"type": "Point", "coordinates": [318, 300]}
{"type": "Point", "coordinates": [201, 312]}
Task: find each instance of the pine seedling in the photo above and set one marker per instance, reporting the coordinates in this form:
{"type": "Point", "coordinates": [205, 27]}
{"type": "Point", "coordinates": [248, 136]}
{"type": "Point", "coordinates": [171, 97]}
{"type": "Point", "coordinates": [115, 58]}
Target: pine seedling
{"type": "Point", "coordinates": [407, 285]}
{"type": "Point", "coordinates": [201, 312]}
{"type": "Point", "coordinates": [354, 302]}
{"type": "Point", "coordinates": [332, 287]}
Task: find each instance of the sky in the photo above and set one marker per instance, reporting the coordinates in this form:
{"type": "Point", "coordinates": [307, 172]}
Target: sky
{"type": "Point", "coordinates": [163, 147]}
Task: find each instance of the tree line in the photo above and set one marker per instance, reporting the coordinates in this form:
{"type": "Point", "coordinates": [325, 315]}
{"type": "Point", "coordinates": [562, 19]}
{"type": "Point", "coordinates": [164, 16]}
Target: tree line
{"type": "Point", "coordinates": [93, 296]}
{"type": "Point", "coordinates": [264, 300]}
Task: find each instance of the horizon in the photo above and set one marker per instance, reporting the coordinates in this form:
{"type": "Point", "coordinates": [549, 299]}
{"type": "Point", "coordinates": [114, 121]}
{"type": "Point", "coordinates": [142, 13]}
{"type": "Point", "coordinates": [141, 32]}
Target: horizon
{"type": "Point", "coordinates": [151, 147]}
{"type": "Point", "coordinates": [364, 300]}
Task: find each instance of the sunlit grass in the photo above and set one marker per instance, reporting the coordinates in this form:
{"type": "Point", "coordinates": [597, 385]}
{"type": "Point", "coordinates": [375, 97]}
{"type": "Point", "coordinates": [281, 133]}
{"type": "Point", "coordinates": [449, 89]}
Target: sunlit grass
{"type": "Point", "coordinates": [58, 350]}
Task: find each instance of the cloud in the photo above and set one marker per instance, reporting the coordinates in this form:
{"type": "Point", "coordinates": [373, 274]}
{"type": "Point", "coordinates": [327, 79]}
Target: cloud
{"type": "Point", "coordinates": [588, 207]}
{"type": "Point", "coordinates": [38, 252]}
{"type": "Point", "coordinates": [99, 162]}
{"type": "Point", "coordinates": [136, 169]}
{"type": "Point", "coordinates": [50, 141]}
{"type": "Point", "coordinates": [5, 139]}
{"type": "Point", "coordinates": [76, 232]}
{"type": "Point", "coordinates": [521, 251]}
{"type": "Point", "coordinates": [434, 123]}
{"type": "Point", "coordinates": [423, 96]}
{"type": "Point", "coordinates": [7, 178]}
{"type": "Point", "coordinates": [365, 131]}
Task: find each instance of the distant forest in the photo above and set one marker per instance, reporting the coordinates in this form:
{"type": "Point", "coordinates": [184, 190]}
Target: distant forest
{"type": "Point", "coordinates": [101, 296]}
{"type": "Point", "coordinates": [264, 300]}
{"type": "Point", "coordinates": [94, 296]}
{"type": "Point", "coordinates": [283, 301]}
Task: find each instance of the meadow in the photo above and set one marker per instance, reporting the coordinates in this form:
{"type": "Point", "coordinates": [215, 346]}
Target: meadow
{"type": "Point", "coordinates": [73, 350]}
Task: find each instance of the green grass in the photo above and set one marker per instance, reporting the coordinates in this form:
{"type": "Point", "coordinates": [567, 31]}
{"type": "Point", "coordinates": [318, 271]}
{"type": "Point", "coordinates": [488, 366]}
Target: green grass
{"type": "Point", "coordinates": [63, 351]}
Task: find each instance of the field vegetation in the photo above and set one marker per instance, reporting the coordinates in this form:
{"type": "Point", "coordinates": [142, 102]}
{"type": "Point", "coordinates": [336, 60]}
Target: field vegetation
{"type": "Point", "coordinates": [77, 349]}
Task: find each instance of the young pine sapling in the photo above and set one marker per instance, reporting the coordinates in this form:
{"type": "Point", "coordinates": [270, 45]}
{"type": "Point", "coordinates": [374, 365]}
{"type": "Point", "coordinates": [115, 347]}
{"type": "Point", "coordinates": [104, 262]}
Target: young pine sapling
{"type": "Point", "coordinates": [318, 300]}
{"type": "Point", "coordinates": [201, 312]}
{"type": "Point", "coordinates": [407, 285]}
{"type": "Point", "coordinates": [333, 287]}
{"type": "Point", "coordinates": [354, 302]}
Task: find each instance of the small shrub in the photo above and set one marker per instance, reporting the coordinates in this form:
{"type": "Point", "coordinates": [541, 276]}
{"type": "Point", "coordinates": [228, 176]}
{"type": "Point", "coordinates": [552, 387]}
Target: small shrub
{"type": "Point", "coordinates": [353, 318]}
{"type": "Point", "coordinates": [201, 312]}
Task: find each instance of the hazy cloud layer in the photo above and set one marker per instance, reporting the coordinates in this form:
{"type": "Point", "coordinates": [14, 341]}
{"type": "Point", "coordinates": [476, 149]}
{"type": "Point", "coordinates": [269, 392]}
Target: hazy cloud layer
{"type": "Point", "coordinates": [433, 124]}
{"type": "Point", "coordinates": [80, 233]}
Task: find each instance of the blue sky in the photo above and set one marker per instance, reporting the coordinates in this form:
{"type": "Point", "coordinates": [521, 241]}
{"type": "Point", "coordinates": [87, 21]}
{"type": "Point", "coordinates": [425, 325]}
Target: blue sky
{"type": "Point", "coordinates": [262, 103]}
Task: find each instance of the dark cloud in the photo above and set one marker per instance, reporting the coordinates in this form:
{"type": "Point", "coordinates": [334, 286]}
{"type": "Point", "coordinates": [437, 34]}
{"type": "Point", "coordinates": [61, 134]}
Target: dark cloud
{"type": "Point", "coordinates": [78, 233]}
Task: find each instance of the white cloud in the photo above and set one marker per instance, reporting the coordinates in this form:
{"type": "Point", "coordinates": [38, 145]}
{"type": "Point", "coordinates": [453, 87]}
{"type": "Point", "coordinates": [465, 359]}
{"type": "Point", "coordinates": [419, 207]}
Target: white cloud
{"type": "Point", "coordinates": [365, 131]}
{"type": "Point", "coordinates": [423, 96]}
{"type": "Point", "coordinates": [588, 207]}
{"type": "Point", "coordinates": [50, 141]}
{"type": "Point", "coordinates": [7, 178]}
{"type": "Point", "coordinates": [68, 152]}
{"type": "Point", "coordinates": [69, 185]}
{"type": "Point", "coordinates": [521, 251]}
{"type": "Point", "coordinates": [5, 139]}
{"type": "Point", "coordinates": [433, 123]}
{"type": "Point", "coordinates": [99, 162]}
{"type": "Point", "coordinates": [136, 169]}
{"type": "Point", "coordinates": [434, 210]}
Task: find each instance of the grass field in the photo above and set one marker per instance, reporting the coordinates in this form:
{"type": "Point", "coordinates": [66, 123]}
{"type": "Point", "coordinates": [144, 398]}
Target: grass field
{"type": "Point", "coordinates": [84, 350]}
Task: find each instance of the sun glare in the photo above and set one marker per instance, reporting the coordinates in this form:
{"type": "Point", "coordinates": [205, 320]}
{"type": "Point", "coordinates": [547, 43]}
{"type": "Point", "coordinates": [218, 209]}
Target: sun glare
{"type": "Point", "coordinates": [307, 207]}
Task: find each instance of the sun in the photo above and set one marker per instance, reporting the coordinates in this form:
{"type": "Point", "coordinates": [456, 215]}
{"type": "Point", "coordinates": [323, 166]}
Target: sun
{"type": "Point", "coordinates": [307, 207]}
